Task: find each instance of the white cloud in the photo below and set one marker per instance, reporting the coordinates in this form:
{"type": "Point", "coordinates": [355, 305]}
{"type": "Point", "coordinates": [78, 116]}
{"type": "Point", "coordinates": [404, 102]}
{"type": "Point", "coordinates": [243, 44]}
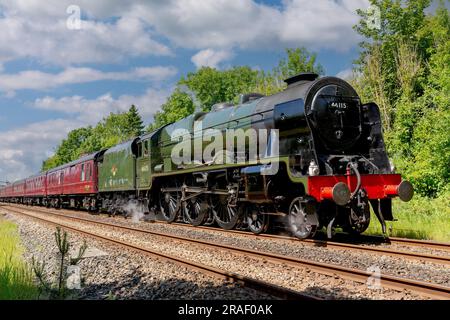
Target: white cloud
{"type": "Point", "coordinates": [90, 111]}
{"type": "Point", "coordinates": [223, 24]}
{"type": "Point", "coordinates": [211, 58]}
{"type": "Point", "coordinates": [115, 30]}
{"type": "Point", "coordinates": [37, 29]}
{"type": "Point", "coordinates": [22, 150]}
{"type": "Point", "coordinates": [38, 80]}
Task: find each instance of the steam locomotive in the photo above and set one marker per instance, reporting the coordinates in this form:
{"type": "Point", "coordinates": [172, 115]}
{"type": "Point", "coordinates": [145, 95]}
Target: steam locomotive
{"type": "Point", "coordinates": [329, 167]}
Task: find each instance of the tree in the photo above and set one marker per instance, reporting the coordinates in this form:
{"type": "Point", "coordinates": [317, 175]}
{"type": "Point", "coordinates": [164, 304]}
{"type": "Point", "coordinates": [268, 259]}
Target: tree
{"type": "Point", "coordinates": [51, 162]}
{"type": "Point", "coordinates": [207, 86]}
{"type": "Point", "coordinates": [201, 90]}
{"type": "Point", "coordinates": [68, 150]}
{"type": "Point", "coordinates": [177, 106]}
{"type": "Point", "coordinates": [112, 130]}
{"type": "Point", "coordinates": [404, 68]}
{"type": "Point", "coordinates": [400, 22]}
{"type": "Point", "coordinates": [297, 60]}
{"type": "Point", "coordinates": [135, 123]}
{"type": "Point", "coordinates": [212, 86]}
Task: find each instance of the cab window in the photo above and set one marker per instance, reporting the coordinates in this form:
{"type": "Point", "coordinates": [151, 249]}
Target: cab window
{"type": "Point", "coordinates": [139, 150]}
{"type": "Point", "coordinates": [146, 148]}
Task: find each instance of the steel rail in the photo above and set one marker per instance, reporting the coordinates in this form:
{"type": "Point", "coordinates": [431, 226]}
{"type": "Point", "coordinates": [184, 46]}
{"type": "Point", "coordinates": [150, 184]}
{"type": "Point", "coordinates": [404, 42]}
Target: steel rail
{"type": "Point", "coordinates": [247, 282]}
{"type": "Point", "coordinates": [325, 243]}
{"type": "Point", "coordinates": [370, 239]}
{"type": "Point", "coordinates": [428, 289]}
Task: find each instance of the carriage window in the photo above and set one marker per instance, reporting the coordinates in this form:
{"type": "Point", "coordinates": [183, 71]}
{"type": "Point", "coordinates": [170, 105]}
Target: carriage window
{"type": "Point", "coordinates": [83, 173]}
{"type": "Point", "coordinates": [88, 172]}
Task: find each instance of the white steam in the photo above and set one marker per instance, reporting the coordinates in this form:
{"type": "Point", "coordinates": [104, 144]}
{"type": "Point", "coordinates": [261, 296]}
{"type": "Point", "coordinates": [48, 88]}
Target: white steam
{"type": "Point", "coordinates": [133, 210]}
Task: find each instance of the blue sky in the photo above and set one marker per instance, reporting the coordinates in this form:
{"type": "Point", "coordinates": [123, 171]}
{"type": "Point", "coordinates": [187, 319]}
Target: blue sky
{"type": "Point", "coordinates": [58, 72]}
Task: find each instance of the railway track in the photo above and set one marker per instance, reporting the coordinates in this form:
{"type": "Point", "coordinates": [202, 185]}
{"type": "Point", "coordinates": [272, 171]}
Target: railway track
{"type": "Point", "coordinates": [434, 291]}
{"type": "Point", "coordinates": [341, 245]}
{"type": "Point", "coordinates": [348, 246]}
{"type": "Point", "coordinates": [255, 284]}
{"type": "Point", "coordinates": [345, 243]}
{"type": "Point", "coordinates": [363, 239]}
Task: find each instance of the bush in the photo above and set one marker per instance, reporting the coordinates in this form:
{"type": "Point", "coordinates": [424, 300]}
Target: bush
{"type": "Point", "coordinates": [16, 278]}
{"type": "Point", "coordinates": [421, 218]}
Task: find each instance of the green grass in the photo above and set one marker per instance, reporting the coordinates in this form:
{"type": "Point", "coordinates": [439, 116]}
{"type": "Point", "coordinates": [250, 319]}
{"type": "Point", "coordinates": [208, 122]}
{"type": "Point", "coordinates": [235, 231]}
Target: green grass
{"type": "Point", "coordinates": [421, 218]}
{"type": "Point", "coordinates": [16, 278]}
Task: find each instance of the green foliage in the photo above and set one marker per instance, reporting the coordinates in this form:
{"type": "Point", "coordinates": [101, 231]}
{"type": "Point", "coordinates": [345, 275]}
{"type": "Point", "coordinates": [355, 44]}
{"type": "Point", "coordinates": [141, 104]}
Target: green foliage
{"type": "Point", "coordinates": [135, 124]}
{"type": "Point", "coordinates": [404, 67]}
{"type": "Point", "coordinates": [421, 218]}
{"type": "Point", "coordinates": [400, 21]}
{"type": "Point", "coordinates": [177, 106]}
{"type": "Point", "coordinates": [60, 289]}
{"type": "Point", "coordinates": [429, 169]}
{"type": "Point", "coordinates": [201, 90]}
{"type": "Point", "coordinates": [297, 60]}
{"type": "Point", "coordinates": [16, 278]}
{"type": "Point", "coordinates": [210, 86]}
{"type": "Point", "coordinates": [68, 149]}
{"type": "Point", "coordinates": [112, 130]}
{"type": "Point", "coordinates": [63, 247]}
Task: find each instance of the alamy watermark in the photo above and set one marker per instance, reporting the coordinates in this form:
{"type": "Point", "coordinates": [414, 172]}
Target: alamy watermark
{"type": "Point", "coordinates": [73, 22]}
{"type": "Point", "coordinates": [73, 277]}
{"type": "Point", "coordinates": [229, 146]}
{"type": "Point", "coordinates": [374, 280]}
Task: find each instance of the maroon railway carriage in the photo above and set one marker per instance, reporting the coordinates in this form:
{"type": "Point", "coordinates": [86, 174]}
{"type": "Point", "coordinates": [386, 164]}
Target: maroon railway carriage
{"type": "Point", "coordinates": [36, 189]}
{"type": "Point", "coordinates": [9, 191]}
{"type": "Point", "coordinates": [74, 184]}
{"type": "Point", "coordinates": [3, 191]}
{"type": "Point", "coordinates": [18, 191]}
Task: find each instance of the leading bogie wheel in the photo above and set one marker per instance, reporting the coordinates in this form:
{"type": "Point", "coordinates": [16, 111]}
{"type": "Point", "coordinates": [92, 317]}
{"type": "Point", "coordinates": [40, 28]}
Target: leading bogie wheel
{"type": "Point", "coordinates": [358, 218]}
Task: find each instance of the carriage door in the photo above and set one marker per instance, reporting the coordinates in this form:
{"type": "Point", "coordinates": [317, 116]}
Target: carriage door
{"type": "Point", "coordinates": [143, 165]}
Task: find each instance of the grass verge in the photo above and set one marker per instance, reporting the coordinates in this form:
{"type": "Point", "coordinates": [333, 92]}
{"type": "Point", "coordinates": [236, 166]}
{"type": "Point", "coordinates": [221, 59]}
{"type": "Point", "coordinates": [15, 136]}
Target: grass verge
{"type": "Point", "coordinates": [421, 218]}
{"type": "Point", "coordinates": [16, 277]}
